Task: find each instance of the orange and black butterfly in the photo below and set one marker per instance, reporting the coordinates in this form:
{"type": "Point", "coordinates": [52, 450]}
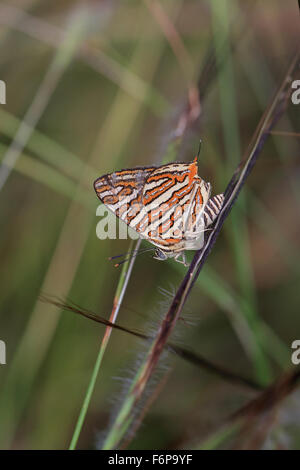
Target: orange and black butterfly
{"type": "Point", "coordinates": [168, 205]}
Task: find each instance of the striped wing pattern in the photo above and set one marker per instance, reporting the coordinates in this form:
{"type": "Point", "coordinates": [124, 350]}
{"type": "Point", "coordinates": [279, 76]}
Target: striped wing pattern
{"type": "Point", "coordinates": [167, 196]}
{"type": "Point", "coordinates": [121, 191]}
{"type": "Point", "coordinates": [166, 204]}
{"type": "Point", "coordinates": [212, 209]}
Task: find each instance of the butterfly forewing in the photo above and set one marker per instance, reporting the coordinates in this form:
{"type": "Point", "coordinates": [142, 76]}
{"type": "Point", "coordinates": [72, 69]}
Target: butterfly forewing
{"type": "Point", "coordinates": [121, 191]}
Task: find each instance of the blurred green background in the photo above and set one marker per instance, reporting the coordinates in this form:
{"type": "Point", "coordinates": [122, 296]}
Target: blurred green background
{"type": "Point", "coordinates": [99, 89]}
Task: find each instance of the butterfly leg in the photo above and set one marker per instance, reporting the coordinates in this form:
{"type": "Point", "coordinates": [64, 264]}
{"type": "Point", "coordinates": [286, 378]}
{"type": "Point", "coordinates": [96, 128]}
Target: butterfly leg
{"type": "Point", "coordinates": [182, 260]}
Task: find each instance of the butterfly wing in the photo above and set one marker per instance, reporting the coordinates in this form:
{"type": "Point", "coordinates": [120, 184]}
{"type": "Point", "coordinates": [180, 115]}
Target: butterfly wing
{"type": "Point", "coordinates": [197, 207]}
{"type": "Point", "coordinates": [209, 213]}
{"type": "Point", "coordinates": [162, 204]}
{"type": "Point", "coordinates": [173, 194]}
{"type": "Point", "coordinates": [121, 192]}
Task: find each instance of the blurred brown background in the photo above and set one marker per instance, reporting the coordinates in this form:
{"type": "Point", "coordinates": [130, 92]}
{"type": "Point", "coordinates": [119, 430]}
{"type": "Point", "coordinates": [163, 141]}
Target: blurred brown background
{"type": "Point", "coordinates": [99, 88]}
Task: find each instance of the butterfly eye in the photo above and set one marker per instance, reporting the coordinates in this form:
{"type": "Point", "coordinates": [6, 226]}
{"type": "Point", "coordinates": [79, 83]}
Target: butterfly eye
{"type": "Point", "coordinates": [159, 254]}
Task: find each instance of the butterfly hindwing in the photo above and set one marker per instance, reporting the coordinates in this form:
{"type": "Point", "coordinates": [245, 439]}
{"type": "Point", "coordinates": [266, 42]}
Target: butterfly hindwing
{"type": "Point", "coordinates": [173, 193]}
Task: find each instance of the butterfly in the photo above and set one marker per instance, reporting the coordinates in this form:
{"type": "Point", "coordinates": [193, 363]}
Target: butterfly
{"type": "Point", "coordinates": [168, 205]}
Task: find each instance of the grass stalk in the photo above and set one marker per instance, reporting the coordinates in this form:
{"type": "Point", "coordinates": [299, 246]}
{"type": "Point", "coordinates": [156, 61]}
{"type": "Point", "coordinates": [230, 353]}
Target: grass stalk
{"type": "Point", "coordinates": [237, 230]}
{"type": "Point", "coordinates": [120, 292]}
{"type": "Point", "coordinates": [125, 416]}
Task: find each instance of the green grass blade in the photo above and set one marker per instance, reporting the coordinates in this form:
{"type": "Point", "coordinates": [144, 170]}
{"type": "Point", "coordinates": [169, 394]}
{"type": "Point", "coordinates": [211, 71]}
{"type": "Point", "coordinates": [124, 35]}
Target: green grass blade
{"type": "Point", "coordinates": [120, 292]}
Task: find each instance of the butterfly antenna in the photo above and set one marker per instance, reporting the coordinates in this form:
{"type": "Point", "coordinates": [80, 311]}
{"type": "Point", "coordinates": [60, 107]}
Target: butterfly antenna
{"type": "Point", "coordinates": [199, 149]}
{"type": "Point", "coordinates": [123, 254]}
{"type": "Point", "coordinates": [133, 254]}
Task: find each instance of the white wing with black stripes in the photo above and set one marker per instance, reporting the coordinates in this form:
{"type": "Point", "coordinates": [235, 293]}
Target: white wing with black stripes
{"type": "Point", "coordinates": [212, 209]}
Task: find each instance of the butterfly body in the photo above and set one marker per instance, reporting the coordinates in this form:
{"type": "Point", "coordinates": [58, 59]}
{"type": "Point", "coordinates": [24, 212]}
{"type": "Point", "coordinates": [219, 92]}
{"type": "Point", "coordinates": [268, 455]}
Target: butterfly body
{"type": "Point", "coordinates": [169, 205]}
